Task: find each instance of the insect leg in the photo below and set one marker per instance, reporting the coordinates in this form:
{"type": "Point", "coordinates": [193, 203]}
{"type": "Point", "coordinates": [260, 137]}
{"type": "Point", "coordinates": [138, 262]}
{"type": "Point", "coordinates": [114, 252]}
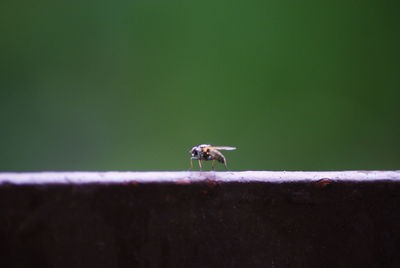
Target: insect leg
{"type": "Point", "coordinates": [191, 163]}
{"type": "Point", "coordinates": [225, 163]}
{"type": "Point", "coordinates": [200, 165]}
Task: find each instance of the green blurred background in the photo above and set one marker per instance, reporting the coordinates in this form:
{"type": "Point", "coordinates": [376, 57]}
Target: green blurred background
{"type": "Point", "coordinates": [133, 85]}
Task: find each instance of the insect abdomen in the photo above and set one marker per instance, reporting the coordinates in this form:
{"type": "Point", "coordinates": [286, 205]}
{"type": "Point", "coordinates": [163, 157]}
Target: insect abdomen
{"type": "Point", "coordinates": [220, 158]}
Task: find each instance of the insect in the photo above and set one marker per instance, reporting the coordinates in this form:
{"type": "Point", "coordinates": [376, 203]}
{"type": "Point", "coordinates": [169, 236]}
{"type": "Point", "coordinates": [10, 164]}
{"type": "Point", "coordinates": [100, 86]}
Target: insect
{"type": "Point", "coordinates": [208, 152]}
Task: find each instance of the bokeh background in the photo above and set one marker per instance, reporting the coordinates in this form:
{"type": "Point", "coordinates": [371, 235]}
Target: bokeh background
{"type": "Point", "coordinates": [133, 85]}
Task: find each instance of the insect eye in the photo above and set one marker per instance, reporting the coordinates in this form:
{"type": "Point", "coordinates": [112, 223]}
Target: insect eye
{"type": "Point", "coordinates": [194, 152]}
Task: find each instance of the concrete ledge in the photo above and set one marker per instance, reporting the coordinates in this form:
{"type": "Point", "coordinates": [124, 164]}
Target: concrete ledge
{"type": "Point", "coordinates": [179, 176]}
{"type": "Point", "coordinates": [200, 219]}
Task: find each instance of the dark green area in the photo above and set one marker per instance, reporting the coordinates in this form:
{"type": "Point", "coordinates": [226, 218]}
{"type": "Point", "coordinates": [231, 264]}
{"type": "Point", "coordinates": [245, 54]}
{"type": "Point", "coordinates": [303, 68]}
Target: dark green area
{"type": "Point", "coordinates": [133, 85]}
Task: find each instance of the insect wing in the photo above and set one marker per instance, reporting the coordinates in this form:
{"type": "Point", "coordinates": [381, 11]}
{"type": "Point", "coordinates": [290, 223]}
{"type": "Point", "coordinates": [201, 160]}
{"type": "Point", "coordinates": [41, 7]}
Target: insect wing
{"type": "Point", "coordinates": [228, 148]}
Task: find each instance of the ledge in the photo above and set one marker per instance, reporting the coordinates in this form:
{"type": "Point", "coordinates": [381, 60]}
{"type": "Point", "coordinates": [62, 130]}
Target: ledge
{"type": "Point", "coordinates": [115, 177]}
{"type": "Point", "coordinates": [200, 219]}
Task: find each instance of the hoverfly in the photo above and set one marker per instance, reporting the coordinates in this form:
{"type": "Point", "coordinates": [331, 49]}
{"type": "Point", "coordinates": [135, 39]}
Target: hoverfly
{"type": "Point", "coordinates": [208, 152]}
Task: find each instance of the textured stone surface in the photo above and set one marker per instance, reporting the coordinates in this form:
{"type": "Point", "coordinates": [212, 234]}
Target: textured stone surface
{"type": "Point", "coordinates": [206, 223]}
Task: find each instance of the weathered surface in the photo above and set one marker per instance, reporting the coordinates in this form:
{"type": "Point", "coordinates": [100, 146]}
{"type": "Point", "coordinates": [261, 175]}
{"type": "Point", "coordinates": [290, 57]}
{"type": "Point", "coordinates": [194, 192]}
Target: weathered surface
{"type": "Point", "coordinates": [202, 220]}
{"type": "Point", "coordinates": [189, 176]}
